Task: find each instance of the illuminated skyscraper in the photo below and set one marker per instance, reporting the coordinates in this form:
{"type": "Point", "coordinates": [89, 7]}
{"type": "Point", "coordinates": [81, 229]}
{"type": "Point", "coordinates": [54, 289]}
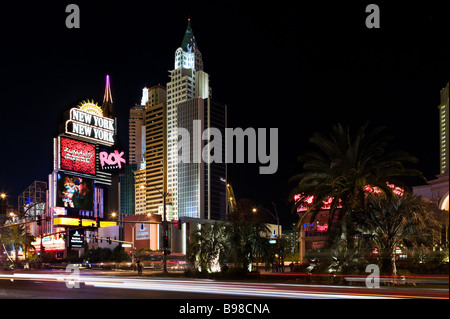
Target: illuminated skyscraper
{"type": "Point", "coordinates": [155, 154]}
{"type": "Point", "coordinates": [443, 129]}
{"type": "Point", "coordinates": [136, 134]}
{"type": "Point", "coordinates": [136, 151]}
{"type": "Point", "coordinates": [436, 190]}
{"type": "Point", "coordinates": [181, 88]}
{"type": "Point", "coordinates": [201, 181]}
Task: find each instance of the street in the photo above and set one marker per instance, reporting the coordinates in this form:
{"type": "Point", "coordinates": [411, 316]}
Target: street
{"type": "Point", "coordinates": [53, 284]}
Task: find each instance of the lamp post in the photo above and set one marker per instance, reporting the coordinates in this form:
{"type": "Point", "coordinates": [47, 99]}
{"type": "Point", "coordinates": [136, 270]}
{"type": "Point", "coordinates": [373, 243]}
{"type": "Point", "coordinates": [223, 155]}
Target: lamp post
{"type": "Point", "coordinates": [165, 228]}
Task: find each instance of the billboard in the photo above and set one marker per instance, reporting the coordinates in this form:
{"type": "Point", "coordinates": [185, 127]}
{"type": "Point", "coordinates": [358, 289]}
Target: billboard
{"type": "Point", "coordinates": [76, 238]}
{"type": "Point", "coordinates": [142, 231]}
{"type": "Point", "coordinates": [77, 156]}
{"type": "Point", "coordinates": [74, 192]}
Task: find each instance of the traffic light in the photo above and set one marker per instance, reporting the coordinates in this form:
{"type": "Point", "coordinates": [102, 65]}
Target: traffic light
{"type": "Point", "coordinates": [38, 219]}
{"type": "Point", "coordinates": [97, 221]}
{"type": "Point", "coordinates": [109, 240]}
{"type": "Point", "coordinates": [165, 241]}
{"type": "Point", "coordinates": [96, 239]}
{"type": "Point", "coordinates": [80, 222]}
{"type": "Point", "coordinates": [179, 224]}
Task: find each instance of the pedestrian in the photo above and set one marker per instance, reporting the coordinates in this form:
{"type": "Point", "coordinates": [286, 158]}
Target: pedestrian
{"type": "Point", "coordinates": [139, 266]}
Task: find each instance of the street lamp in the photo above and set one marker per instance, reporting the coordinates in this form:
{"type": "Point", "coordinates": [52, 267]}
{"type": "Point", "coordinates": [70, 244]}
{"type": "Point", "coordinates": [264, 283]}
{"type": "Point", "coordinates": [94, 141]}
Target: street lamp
{"type": "Point", "coordinates": [165, 227]}
{"type": "Point", "coordinates": [277, 218]}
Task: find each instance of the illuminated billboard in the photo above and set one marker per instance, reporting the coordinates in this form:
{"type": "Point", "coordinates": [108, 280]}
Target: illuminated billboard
{"type": "Point", "coordinates": [77, 156]}
{"type": "Point", "coordinates": [76, 238]}
{"type": "Point", "coordinates": [50, 243]}
{"type": "Point", "coordinates": [74, 192]}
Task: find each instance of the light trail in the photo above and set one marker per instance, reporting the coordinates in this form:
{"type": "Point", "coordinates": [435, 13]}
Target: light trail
{"type": "Point", "coordinates": [260, 290]}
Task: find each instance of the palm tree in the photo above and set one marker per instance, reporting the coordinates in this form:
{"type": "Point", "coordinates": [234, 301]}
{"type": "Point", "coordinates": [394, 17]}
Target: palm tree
{"type": "Point", "coordinates": [208, 246]}
{"type": "Point", "coordinates": [343, 167]}
{"type": "Point", "coordinates": [15, 236]}
{"type": "Point", "coordinates": [247, 233]}
{"type": "Point", "coordinates": [393, 220]}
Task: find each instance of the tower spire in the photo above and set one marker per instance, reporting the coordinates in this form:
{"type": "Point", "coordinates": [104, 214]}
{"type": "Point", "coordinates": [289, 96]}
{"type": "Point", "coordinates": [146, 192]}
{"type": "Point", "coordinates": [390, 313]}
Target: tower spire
{"type": "Point", "coordinates": [188, 44]}
{"type": "Point", "coordinates": [107, 106]}
{"type": "Point", "coordinates": [107, 97]}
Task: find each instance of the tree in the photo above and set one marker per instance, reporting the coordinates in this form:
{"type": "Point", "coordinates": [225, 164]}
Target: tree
{"type": "Point", "coordinates": [391, 220]}
{"type": "Point", "coordinates": [247, 232]}
{"type": "Point", "coordinates": [208, 247]}
{"type": "Point", "coordinates": [340, 172]}
{"type": "Point", "coordinates": [343, 168]}
{"type": "Point", "coordinates": [16, 237]}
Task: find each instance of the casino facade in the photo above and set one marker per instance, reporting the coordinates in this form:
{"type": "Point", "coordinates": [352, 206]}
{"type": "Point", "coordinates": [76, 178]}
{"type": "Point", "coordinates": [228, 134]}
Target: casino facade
{"type": "Point", "coordinates": [82, 188]}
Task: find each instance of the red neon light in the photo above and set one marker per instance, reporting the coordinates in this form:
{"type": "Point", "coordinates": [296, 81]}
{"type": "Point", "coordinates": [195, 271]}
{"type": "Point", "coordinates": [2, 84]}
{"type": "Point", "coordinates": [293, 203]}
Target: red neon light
{"type": "Point", "coordinates": [308, 200]}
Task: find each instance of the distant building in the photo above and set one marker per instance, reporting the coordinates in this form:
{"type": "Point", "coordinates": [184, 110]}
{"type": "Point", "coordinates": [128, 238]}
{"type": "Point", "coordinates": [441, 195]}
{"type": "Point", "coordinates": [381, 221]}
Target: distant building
{"type": "Point", "coordinates": [139, 192]}
{"type": "Point", "coordinates": [126, 187]}
{"type": "Point", "coordinates": [136, 133]}
{"type": "Point", "coordinates": [444, 129]}
{"type": "Point", "coordinates": [437, 190]}
{"type": "Point", "coordinates": [292, 239]}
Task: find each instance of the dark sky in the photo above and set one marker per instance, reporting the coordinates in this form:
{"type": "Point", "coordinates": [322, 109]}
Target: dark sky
{"type": "Point", "coordinates": [299, 68]}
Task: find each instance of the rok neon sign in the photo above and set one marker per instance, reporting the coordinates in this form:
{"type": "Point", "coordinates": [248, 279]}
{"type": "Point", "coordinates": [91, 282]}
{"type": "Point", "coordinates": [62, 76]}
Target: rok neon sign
{"type": "Point", "coordinates": [111, 160]}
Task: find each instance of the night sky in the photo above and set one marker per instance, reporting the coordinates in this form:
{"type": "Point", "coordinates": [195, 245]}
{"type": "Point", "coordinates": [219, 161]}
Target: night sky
{"type": "Point", "coordinates": [298, 68]}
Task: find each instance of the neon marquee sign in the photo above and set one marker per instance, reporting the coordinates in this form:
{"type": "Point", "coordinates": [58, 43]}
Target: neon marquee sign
{"type": "Point", "coordinates": [89, 125]}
